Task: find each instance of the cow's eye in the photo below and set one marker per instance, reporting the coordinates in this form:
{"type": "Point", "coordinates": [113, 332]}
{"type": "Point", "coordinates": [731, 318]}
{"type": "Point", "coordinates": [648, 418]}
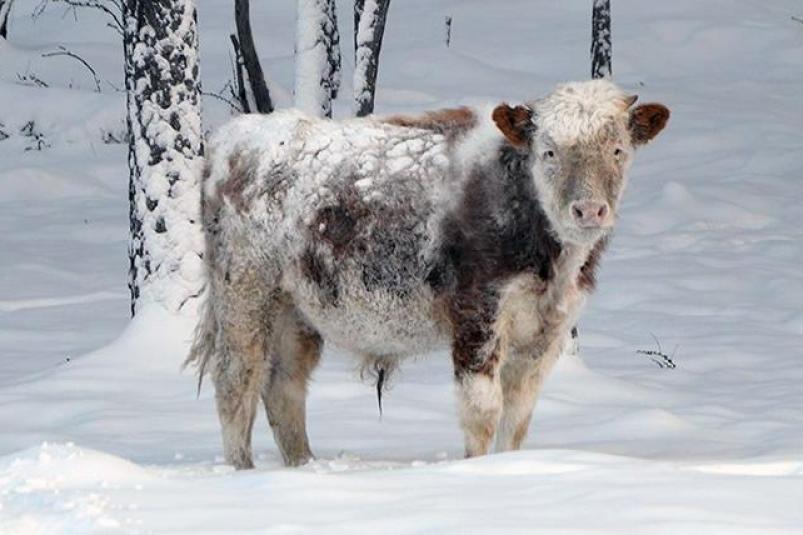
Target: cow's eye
{"type": "Point", "coordinates": [549, 154]}
{"type": "Point", "coordinates": [617, 152]}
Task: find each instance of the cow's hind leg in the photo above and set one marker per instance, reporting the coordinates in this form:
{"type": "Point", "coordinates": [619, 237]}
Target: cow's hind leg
{"type": "Point", "coordinates": [244, 310]}
{"type": "Point", "coordinates": [295, 353]}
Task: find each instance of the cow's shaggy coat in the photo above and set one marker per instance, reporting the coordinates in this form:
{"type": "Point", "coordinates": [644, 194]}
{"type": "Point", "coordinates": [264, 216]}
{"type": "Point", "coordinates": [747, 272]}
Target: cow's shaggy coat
{"type": "Point", "coordinates": [474, 228]}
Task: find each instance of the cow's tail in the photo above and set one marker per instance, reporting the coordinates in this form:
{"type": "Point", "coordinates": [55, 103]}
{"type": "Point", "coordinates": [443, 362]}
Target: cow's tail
{"type": "Point", "coordinates": [204, 344]}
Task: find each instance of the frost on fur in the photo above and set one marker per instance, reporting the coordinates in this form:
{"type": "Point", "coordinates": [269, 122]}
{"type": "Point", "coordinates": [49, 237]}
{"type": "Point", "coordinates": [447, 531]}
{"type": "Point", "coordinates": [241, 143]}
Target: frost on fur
{"type": "Point", "coordinates": [475, 228]}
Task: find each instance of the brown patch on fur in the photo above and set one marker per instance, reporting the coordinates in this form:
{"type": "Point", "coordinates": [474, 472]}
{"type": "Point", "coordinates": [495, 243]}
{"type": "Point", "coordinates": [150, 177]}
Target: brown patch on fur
{"type": "Point", "coordinates": [338, 224]}
{"type": "Point", "coordinates": [587, 279]}
{"type": "Point", "coordinates": [242, 172]}
{"type": "Point", "coordinates": [316, 271]}
{"type": "Point", "coordinates": [515, 123]}
{"type": "Point", "coordinates": [450, 122]}
{"type": "Point", "coordinates": [646, 121]}
{"type": "Point", "coordinates": [472, 315]}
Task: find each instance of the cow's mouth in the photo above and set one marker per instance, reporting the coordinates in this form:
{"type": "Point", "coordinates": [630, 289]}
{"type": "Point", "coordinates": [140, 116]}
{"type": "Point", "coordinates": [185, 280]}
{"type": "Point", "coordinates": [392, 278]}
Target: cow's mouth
{"type": "Point", "coordinates": [586, 235]}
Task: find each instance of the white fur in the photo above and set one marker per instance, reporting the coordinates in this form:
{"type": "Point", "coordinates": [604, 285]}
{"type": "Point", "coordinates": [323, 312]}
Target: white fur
{"type": "Point", "coordinates": [578, 110]}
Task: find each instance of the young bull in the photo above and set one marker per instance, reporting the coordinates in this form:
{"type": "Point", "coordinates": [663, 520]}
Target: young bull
{"type": "Point", "coordinates": [475, 228]}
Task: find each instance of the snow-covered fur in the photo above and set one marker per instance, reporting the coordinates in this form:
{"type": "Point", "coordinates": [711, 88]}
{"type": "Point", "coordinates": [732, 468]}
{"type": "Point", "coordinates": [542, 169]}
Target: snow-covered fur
{"type": "Point", "coordinates": [391, 237]}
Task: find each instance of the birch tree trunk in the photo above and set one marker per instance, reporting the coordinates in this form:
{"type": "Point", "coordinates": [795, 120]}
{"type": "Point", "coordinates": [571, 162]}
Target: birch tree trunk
{"type": "Point", "coordinates": [601, 66]}
{"type": "Point", "coordinates": [5, 9]}
{"type": "Point", "coordinates": [317, 57]}
{"type": "Point", "coordinates": [369, 29]}
{"type": "Point", "coordinates": [160, 42]}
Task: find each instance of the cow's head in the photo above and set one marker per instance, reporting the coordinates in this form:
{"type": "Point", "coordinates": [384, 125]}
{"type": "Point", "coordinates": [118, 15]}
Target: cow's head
{"type": "Point", "coordinates": [581, 139]}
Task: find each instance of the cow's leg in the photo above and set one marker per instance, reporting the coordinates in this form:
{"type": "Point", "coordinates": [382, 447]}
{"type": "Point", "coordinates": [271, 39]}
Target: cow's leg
{"type": "Point", "coordinates": [476, 357]}
{"type": "Point", "coordinates": [237, 381]}
{"type": "Point", "coordinates": [522, 376]}
{"type": "Point", "coordinates": [244, 310]}
{"type": "Point", "coordinates": [294, 355]}
{"type": "Point", "coordinates": [480, 398]}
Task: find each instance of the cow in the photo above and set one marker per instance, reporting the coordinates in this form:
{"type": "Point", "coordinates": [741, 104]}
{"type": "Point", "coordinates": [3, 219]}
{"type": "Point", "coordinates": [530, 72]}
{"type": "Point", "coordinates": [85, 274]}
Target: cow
{"type": "Point", "coordinates": [475, 229]}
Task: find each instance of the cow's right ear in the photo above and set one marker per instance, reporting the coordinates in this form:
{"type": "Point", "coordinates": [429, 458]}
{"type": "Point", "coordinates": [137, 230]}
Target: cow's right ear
{"type": "Point", "coordinates": [516, 123]}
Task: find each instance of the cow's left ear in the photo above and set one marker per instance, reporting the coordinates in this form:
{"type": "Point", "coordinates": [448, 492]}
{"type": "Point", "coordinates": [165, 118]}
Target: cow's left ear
{"type": "Point", "coordinates": [516, 123]}
{"type": "Point", "coordinates": [646, 121]}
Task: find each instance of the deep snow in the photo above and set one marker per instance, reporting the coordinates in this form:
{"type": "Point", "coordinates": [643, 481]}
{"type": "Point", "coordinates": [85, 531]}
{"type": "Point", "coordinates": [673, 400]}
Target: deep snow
{"type": "Point", "coordinates": [706, 257]}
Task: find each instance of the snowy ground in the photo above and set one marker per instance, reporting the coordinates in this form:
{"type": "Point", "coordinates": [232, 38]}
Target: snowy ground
{"type": "Point", "coordinates": [707, 258]}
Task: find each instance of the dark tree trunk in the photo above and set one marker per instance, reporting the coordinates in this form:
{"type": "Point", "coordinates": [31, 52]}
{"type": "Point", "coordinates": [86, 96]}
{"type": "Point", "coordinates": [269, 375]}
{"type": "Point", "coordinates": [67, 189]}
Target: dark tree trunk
{"type": "Point", "coordinates": [370, 17]}
{"type": "Point", "coordinates": [601, 66]}
{"type": "Point", "coordinates": [240, 76]}
{"type": "Point", "coordinates": [160, 43]}
{"type": "Point", "coordinates": [317, 57]}
{"type": "Point", "coordinates": [257, 89]}
{"type": "Point", "coordinates": [5, 9]}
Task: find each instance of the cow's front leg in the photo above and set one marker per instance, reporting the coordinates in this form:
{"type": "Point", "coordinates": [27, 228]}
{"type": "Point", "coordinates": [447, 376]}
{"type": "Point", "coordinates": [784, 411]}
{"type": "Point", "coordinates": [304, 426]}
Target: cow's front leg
{"type": "Point", "coordinates": [522, 377]}
{"type": "Point", "coordinates": [480, 398]}
{"type": "Point", "coordinates": [477, 359]}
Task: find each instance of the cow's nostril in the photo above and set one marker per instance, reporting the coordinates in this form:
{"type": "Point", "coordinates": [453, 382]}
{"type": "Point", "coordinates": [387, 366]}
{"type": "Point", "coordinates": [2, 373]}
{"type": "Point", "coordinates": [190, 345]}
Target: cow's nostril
{"type": "Point", "coordinates": [577, 212]}
{"type": "Point", "coordinates": [603, 211]}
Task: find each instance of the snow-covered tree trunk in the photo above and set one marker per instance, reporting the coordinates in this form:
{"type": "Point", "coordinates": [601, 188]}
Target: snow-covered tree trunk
{"type": "Point", "coordinates": [369, 28]}
{"type": "Point", "coordinates": [257, 95]}
{"type": "Point", "coordinates": [317, 57]}
{"type": "Point", "coordinates": [165, 150]}
{"type": "Point", "coordinates": [5, 9]}
{"type": "Point", "coordinates": [601, 39]}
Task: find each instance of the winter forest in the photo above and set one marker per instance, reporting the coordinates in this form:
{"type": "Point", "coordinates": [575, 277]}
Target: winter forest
{"type": "Point", "coordinates": [674, 404]}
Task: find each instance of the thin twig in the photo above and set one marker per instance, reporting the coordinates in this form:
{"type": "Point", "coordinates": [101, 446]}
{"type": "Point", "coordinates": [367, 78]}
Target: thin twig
{"type": "Point", "coordinates": [797, 19]}
{"type": "Point", "coordinates": [31, 77]}
{"type": "Point", "coordinates": [665, 360]}
{"type": "Point", "coordinates": [242, 94]}
{"type": "Point", "coordinates": [98, 4]}
{"type": "Point", "coordinates": [64, 52]}
{"type": "Point", "coordinates": [233, 104]}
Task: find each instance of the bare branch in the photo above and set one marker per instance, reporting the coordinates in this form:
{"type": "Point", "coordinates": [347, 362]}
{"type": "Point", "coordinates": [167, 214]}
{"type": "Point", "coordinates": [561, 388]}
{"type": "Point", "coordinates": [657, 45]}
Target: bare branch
{"type": "Point", "coordinates": [64, 52]}
{"type": "Point", "coordinates": [241, 94]}
{"type": "Point", "coordinates": [233, 104]}
{"type": "Point", "coordinates": [115, 14]}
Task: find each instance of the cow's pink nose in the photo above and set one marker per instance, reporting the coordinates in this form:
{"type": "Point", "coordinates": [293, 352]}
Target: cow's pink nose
{"type": "Point", "coordinates": [589, 213]}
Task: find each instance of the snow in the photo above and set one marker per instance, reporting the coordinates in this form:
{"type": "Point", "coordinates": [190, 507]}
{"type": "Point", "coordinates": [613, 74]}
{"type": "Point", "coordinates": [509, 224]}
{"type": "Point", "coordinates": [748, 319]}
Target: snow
{"type": "Point", "coordinates": [706, 257]}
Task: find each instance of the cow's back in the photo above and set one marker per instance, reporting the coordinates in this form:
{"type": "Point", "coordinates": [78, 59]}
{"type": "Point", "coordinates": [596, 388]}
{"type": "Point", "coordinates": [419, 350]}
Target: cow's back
{"type": "Point", "coordinates": [348, 211]}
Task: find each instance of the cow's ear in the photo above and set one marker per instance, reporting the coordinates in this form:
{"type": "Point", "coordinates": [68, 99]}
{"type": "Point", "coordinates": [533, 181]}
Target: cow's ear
{"type": "Point", "coordinates": [516, 123]}
{"type": "Point", "coordinates": [646, 121]}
